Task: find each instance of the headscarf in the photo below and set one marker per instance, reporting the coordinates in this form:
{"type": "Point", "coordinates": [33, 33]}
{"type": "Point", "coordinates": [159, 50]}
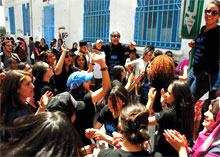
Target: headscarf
{"type": "Point", "coordinates": [208, 137]}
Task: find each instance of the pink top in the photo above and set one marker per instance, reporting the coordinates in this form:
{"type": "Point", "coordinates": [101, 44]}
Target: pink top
{"type": "Point", "coordinates": [181, 66]}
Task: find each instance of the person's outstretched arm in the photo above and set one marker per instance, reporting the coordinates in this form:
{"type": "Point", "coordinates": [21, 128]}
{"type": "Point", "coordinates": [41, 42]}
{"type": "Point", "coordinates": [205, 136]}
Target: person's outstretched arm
{"type": "Point", "coordinates": [59, 67]}
{"type": "Point", "coordinates": [106, 84]}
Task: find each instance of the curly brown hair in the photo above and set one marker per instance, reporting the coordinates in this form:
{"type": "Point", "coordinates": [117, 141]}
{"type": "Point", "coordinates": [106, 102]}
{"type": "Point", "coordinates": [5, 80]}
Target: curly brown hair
{"type": "Point", "coordinates": [162, 67]}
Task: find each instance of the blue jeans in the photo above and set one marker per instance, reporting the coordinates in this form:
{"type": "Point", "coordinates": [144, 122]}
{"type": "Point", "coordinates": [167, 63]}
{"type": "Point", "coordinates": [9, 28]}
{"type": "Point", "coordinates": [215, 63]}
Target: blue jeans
{"type": "Point", "coordinates": [199, 84]}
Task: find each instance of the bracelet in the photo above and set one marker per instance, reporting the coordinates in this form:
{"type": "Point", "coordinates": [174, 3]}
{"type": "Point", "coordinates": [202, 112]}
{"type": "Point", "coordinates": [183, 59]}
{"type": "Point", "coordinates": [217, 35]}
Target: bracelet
{"type": "Point", "coordinates": [93, 63]}
{"type": "Point", "coordinates": [103, 69]}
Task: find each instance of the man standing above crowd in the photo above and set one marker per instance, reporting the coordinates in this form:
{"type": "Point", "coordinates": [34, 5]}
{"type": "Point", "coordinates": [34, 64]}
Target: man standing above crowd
{"type": "Point", "coordinates": [114, 50]}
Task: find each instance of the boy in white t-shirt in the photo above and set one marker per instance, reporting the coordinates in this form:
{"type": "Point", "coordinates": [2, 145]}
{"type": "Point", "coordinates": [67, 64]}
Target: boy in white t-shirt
{"type": "Point", "coordinates": [97, 72]}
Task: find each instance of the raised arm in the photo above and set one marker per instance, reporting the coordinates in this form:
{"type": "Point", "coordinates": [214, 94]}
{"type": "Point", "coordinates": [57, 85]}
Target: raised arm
{"type": "Point", "coordinates": [59, 66]}
{"type": "Point", "coordinates": [151, 96]}
{"type": "Point", "coordinates": [106, 84]}
{"type": "Point", "coordinates": [132, 45]}
{"type": "Point", "coordinates": [99, 44]}
{"type": "Point", "coordinates": [128, 67]}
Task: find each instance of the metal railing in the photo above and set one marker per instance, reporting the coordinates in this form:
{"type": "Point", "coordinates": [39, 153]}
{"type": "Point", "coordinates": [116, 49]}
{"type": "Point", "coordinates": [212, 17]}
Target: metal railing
{"type": "Point", "coordinates": [157, 23]}
{"type": "Point", "coordinates": [96, 20]}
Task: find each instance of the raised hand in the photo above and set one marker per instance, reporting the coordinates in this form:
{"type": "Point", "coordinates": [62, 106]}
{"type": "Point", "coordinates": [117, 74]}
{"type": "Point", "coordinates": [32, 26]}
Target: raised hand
{"type": "Point", "coordinates": [63, 47]}
{"type": "Point", "coordinates": [132, 45]}
{"type": "Point", "coordinates": [96, 58]}
{"type": "Point", "coordinates": [99, 44]}
{"type": "Point", "coordinates": [163, 97]}
{"type": "Point", "coordinates": [44, 101]}
{"type": "Point", "coordinates": [177, 141]}
{"type": "Point", "coordinates": [152, 94]}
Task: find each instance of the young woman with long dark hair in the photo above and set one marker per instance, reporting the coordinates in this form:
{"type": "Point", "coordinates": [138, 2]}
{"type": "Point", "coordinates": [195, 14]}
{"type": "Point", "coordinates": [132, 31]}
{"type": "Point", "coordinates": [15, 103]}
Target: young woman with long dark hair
{"type": "Point", "coordinates": [177, 113]}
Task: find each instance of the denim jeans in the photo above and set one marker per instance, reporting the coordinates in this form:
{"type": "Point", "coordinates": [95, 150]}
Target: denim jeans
{"type": "Point", "coordinates": [199, 84]}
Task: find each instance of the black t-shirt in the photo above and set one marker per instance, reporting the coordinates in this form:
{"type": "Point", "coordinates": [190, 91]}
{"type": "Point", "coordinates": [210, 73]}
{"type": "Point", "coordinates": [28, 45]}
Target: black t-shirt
{"type": "Point", "coordinates": [166, 120]}
{"type": "Point", "coordinates": [207, 51]}
{"type": "Point", "coordinates": [38, 58]}
{"type": "Point", "coordinates": [115, 54]}
{"type": "Point", "coordinates": [144, 90]}
{"type": "Point", "coordinates": [106, 118]}
{"type": "Point", "coordinates": [40, 89]}
{"type": "Point", "coordinates": [44, 48]}
{"type": "Point", "coordinates": [84, 118]}
{"type": "Point", "coordinates": [61, 79]}
{"type": "Point", "coordinates": [121, 153]}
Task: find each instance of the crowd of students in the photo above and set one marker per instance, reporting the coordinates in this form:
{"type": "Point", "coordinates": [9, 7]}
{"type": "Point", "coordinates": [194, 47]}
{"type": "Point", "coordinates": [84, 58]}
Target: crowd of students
{"type": "Point", "coordinates": [56, 101]}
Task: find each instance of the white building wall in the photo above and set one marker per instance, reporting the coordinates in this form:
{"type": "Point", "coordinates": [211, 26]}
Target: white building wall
{"type": "Point", "coordinates": [2, 17]}
{"type": "Point", "coordinates": [76, 8]}
{"type": "Point", "coordinates": [69, 13]}
{"type": "Point", "coordinates": [122, 18]}
{"type": "Point", "coordinates": [17, 4]}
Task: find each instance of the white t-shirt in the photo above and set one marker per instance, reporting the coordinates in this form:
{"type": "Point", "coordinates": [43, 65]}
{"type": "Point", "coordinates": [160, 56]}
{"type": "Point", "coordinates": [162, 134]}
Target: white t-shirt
{"type": "Point", "coordinates": [88, 59]}
{"type": "Point", "coordinates": [139, 66]}
{"type": "Point", "coordinates": [97, 72]}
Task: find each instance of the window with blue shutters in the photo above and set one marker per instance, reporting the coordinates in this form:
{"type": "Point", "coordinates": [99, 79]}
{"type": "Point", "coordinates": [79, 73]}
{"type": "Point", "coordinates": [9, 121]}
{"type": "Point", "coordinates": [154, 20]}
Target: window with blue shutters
{"type": "Point", "coordinates": [49, 23]}
{"type": "Point", "coordinates": [96, 20]}
{"type": "Point", "coordinates": [11, 20]}
{"type": "Point", "coordinates": [26, 19]}
{"type": "Point", "coordinates": [157, 23]}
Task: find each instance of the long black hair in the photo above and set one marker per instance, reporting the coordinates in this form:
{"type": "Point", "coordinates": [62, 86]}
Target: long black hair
{"type": "Point", "coordinates": [9, 98]}
{"type": "Point", "coordinates": [85, 65]}
{"type": "Point", "coordinates": [39, 69]}
{"type": "Point", "coordinates": [116, 73]}
{"type": "Point", "coordinates": [183, 104]}
{"type": "Point", "coordinates": [118, 92]}
{"type": "Point", "coordinates": [45, 134]}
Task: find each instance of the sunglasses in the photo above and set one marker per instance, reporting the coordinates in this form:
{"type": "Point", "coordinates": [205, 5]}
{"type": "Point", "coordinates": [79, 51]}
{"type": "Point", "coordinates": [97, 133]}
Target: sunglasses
{"type": "Point", "coordinates": [214, 12]}
{"type": "Point", "coordinates": [114, 36]}
{"type": "Point", "coordinates": [67, 56]}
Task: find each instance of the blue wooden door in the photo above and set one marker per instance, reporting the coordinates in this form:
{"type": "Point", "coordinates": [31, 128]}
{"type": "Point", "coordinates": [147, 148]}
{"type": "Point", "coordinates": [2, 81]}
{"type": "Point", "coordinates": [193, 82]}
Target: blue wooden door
{"type": "Point", "coordinates": [26, 19]}
{"type": "Point", "coordinates": [49, 23]}
{"type": "Point", "coordinates": [11, 20]}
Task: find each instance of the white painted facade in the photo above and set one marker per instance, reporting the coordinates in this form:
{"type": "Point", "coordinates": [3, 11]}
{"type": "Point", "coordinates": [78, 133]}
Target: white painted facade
{"type": "Point", "coordinates": [69, 13]}
{"type": "Point", "coordinates": [2, 17]}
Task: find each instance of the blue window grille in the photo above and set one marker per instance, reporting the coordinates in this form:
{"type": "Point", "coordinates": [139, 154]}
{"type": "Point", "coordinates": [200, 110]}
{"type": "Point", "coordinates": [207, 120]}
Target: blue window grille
{"type": "Point", "coordinates": [12, 20]}
{"type": "Point", "coordinates": [49, 23]}
{"type": "Point", "coordinates": [96, 20]}
{"type": "Point", "coordinates": [157, 23]}
{"type": "Point", "coordinates": [26, 19]}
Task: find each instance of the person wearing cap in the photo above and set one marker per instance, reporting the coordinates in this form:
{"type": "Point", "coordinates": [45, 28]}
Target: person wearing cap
{"type": "Point", "coordinates": [79, 84]}
{"type": "Point", "coordinates": [114, 50]}
{"type": "Point", "coordinates": [65, 103]}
